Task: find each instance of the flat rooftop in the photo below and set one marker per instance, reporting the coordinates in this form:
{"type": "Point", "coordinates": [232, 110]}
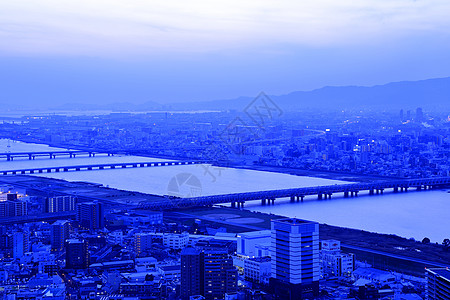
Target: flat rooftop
{"type": "Point", "coordinates": [443, 272]}
{"type": "Point", "coordinates": [294, 221]}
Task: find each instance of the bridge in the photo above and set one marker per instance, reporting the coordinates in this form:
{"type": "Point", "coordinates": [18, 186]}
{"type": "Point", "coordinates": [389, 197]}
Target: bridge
{"type": "Point", "coordinates": [298, 194]}
{"type": "Point", "coordinates": [50, 154]}
{"type": "Point", "coordinates": [95, 167]}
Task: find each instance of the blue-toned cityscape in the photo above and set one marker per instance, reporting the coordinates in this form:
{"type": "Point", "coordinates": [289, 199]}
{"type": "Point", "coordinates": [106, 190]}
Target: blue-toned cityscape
{"type": "Point", "coordinates": [224, 150]}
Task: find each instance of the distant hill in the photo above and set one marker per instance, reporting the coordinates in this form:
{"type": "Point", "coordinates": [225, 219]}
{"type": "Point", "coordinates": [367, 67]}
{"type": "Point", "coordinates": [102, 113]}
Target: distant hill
{"type": "Point", "coordinates": [405, 94]}
{"type": "Point", "coordinates": [433, 93]}
{"type": "Point", "coordinates": [426, 93]}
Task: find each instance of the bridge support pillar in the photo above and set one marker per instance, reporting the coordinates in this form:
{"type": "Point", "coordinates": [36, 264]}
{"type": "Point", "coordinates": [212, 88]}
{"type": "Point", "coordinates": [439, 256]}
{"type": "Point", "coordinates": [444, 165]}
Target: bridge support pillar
{"type": "Point", "coordinates": [346, 194]}
{"type": "Point", "coordinates": [329, 195]}
{"type": "Point", "coordinates": [233, 204]}
{"type": "Point", "coordinates": [406, 189]}
{"type": "Point", "coordinates": [29, 156]}
{"type": "Point", "coordinates": [419, 188]}
{"type": "Point", "coordinates": [381, 191]}
{"type": "Point", "coordinates": [292, 198]}
{"type": "Point", "coordinates": [395, 189]}
{"type": "Point", "coordinates": [263, 201]}
{"type": "Point", "coordinates": [371, 192]}
{"type": "Point", "coordinates": [356, 193]}
{"type": "Point", "coordinates": [273, 201]}
{"type": "Point", "coordinates": [301, 198]}
{"type": "Point", "coordinates": [242, 204]}
{"type": "Point", "coordinates": [319, 196]}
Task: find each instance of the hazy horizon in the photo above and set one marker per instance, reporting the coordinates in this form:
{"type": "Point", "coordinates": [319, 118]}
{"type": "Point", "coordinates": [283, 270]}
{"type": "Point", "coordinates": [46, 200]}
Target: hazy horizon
{"type": "Point", "coordinates": [108, 52]}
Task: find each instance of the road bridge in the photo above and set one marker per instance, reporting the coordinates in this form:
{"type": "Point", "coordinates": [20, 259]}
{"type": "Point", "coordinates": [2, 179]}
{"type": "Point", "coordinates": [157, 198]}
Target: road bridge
{"type": "Point", "coordinates": [298, 194]}
{"type": "Point", "coordinates": [95, 167]}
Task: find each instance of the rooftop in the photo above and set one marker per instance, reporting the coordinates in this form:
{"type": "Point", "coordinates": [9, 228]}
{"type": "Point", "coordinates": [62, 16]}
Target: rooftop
{"type": "Point", "coordinates": [294, 221]}
{"type": "Point", "coordinates": [443, 272]}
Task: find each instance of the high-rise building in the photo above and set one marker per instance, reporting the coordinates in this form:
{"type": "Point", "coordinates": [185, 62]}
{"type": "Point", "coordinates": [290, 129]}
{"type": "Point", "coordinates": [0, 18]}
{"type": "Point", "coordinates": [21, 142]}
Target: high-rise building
{"type": "Point", "coordinates": [419, 115]}
{"type": "Point", "coordinates": [191, 272]}
{"type": "Point", "coordinates": [13, 208]}
{"type": "Point", "coordinates": [142, 242]}
{"type": "Point", "coordinates": [208, 272]}
{"type": "Point", "coordinates": [438, 284]}
{"type": "Point", "coordinates": [90, 215]}
{"type": "Point", "coordinates": [59, 234]}
{"type": "Point", "coordinates": [219, 274]}
{"type": "Point", "coordinates": [60, 203]}
{"type": "Point", "coordinates": [18, 244]}
{"type": "Point", "coordinates": [295, 266]}
{"type": "Point", "coordinates": [77, 254]}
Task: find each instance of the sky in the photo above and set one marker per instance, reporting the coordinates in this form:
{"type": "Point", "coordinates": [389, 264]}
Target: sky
{"type": "Point", "coordinates": [104, 51]}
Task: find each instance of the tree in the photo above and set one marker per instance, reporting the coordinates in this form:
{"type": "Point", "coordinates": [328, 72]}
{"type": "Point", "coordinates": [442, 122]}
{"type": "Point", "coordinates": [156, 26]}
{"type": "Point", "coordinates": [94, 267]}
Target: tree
{"type": "Point", "coordinates": [425, 240]}
{"type": "Point", "coordinates": [446, 244]}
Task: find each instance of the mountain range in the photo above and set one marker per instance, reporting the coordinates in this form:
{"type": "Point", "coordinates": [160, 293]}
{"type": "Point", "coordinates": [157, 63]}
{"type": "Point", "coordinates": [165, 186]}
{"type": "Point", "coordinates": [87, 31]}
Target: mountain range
{"type": "Point", "coordinates": [432, 93]}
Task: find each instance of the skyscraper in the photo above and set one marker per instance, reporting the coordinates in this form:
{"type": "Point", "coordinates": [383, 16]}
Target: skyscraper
{"type": "Point", "coordinates": [59, 234]}
{"type": "Point", "coordinates": [77, 254]}
{"type": "Point", "coordinates": [90, 215]}
{"type": "Point", "coordinates": [295, 259]}
{"type": "Point", "coordinates": [419, 115]}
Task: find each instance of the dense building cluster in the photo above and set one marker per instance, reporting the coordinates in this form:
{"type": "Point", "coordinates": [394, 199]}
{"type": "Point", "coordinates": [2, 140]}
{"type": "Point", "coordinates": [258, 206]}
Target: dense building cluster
{"type": "Point", "coordinates": [113, 254]}
{"type": "Point", "coordinates": [370, 142]}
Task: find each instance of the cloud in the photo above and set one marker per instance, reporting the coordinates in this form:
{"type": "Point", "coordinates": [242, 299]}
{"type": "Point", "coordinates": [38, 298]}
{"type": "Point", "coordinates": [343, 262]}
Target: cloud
{"type": "Point", "coordinates": [138, 27]}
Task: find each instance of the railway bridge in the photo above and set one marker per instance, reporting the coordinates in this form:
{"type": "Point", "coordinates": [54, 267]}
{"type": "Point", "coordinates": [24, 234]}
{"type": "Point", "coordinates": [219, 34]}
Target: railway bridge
{"type": "Point", "coordinates": [94, 167]}
{"type": "Point", "coordinates": [298, 194]}
{"type": "Point", "coordinates": [51, 154]}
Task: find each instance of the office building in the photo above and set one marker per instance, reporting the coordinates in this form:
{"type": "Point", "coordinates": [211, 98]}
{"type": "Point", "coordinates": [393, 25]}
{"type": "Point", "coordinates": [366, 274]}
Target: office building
{"type": "Point", "coordinates": [77, 254]}
{"type": "Point", "coordinates": [60, 204]}
{"type": "Point", "coordinates": [333, 261]}
{"type": "Point", "coordinates": [253, 244]}
{"type": "Point", "coordinates": [59, 233]}
{"type": "Point", "coordinates": [175, 240]}
{"type": "Point", "coordinates": [208, 272]}
{"type": "Point", "coordinates": [90, 215]}
{"type": "Point", "coordinates": [295, 266]}
{"type": "Point", "coordinates": [438, 284]}
{"type": "Point", "coordinates": [220, 276]}
{"type": "Point", "coordinates": [191, 272]}
{"type": "Point", "coordinates": [257, 269]}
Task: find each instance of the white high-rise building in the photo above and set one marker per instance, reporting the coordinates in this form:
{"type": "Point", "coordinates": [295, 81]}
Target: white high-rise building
{"type": "Point", "coordinates": [295, 265]}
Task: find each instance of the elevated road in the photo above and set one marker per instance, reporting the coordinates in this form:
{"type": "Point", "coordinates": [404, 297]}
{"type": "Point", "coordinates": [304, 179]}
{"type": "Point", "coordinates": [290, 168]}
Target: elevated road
{"type": "Point", "coordinates": [297, 194]}
{"type": "Point", "coordinates": [95, 167]}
